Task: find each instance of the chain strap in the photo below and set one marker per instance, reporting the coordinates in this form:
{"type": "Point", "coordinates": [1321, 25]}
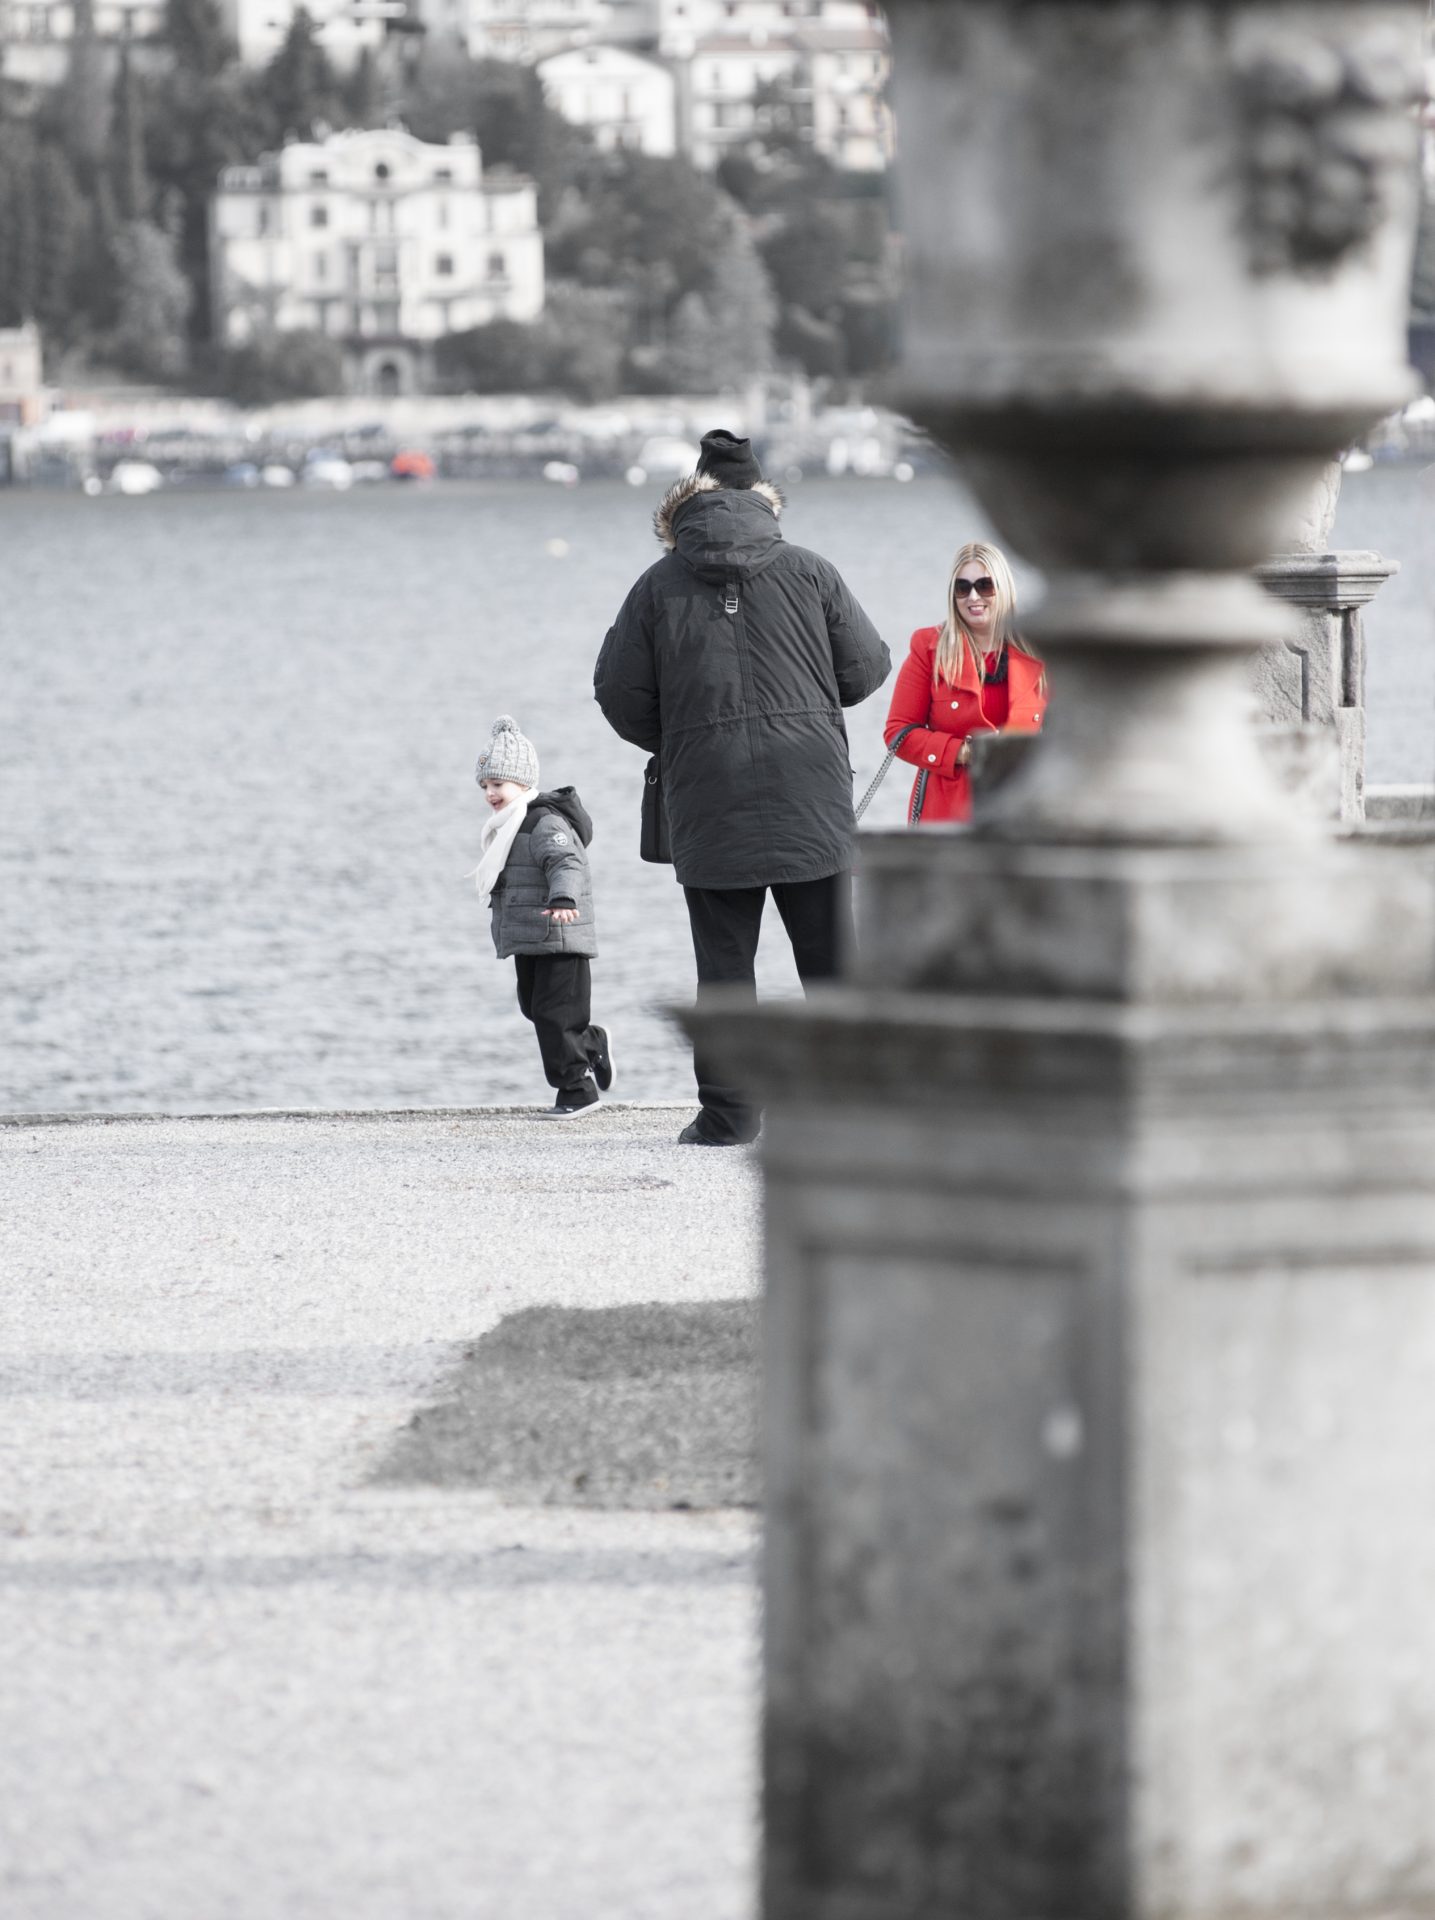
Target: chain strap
{"type": "Point", "coordinates": [866, 800]}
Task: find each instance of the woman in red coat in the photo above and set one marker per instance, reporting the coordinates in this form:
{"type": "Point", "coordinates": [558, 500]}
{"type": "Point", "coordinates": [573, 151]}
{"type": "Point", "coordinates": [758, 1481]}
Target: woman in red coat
{"type": "Point", "coordinates": [970, 675]}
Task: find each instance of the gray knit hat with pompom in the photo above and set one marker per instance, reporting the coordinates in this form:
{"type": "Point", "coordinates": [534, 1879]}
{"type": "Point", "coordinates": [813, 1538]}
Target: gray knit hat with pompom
{"type": "Point", "coordinates": [509, 755]}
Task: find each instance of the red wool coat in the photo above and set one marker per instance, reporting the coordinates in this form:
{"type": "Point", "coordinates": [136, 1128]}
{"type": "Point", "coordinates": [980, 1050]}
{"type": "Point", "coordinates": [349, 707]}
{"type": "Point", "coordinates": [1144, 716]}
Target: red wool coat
{"type": "Point", "coordinates": [945, 714]}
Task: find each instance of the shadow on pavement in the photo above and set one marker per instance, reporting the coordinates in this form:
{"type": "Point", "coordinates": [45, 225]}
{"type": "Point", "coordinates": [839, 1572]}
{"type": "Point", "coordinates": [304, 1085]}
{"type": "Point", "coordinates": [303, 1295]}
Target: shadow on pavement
{"type": "Point", "coordinates": [651, 1406]}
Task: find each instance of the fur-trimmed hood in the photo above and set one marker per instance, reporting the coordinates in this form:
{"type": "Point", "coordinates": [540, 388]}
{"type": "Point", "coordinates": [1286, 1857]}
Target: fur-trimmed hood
{"type": "Point", "coordinates": [719, 529]}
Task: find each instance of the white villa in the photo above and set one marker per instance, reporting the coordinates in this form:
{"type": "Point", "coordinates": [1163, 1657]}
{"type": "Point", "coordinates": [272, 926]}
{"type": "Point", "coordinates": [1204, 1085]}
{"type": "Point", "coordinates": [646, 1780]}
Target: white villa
{"type": "Point", "coordinates": [379, 240]}
{"type": "Point", "coordinates": [829, 56]}
{"type": "Point", "coordinates": [530, 30]}
{"type": "Point", "coordinates": [35, 35]}
{"type": "Point", "coordinates": [623, 99]}
{"type": "Point", "coordinates": [342, 27]}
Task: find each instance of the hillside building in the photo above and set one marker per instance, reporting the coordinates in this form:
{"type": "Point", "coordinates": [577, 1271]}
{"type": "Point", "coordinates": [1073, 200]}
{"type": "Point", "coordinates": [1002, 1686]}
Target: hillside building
{"type": "Point", "coordinates": [383, 242]}
{"type": "Point", "coordinates": [23, 398]}
{"type": "Point", "coordinates": [624, 100]}
{"type": "Point", "coordinates": [343, 28]}
{"type": "Point", "coordinates": [36, 35]}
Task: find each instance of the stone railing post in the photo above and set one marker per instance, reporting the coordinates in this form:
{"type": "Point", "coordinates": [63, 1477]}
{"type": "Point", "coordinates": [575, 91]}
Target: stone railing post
{"type": "Point", "coordinates": [1100, 1322]}
{"type": "Point", "coordinates": [1311, 689]}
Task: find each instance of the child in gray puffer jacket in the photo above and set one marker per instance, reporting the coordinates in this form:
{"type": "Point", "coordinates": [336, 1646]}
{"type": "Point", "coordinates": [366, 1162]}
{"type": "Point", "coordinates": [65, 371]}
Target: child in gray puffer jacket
{"type": "Point", "coordinates": [534, 870]}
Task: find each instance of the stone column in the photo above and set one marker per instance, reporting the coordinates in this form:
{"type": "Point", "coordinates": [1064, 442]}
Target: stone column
{"type": "Point", "coordinates": [1311, 690]}
{"type": "Point", "coordinates": [1100, 1320]}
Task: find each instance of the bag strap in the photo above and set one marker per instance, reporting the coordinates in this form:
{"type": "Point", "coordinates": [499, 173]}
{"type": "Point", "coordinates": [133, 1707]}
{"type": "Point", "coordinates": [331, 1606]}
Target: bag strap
{"type": "Point", "coordinates": [881, 775]}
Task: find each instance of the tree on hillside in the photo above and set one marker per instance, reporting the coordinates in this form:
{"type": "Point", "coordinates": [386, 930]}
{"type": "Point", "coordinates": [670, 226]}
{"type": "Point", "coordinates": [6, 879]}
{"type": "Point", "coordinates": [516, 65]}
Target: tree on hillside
{"type": "Point", "coordinates": [205, 113]}
{"type": "Point", "coordinates": [300, 86]}
{"type": "Point", "coordinates": [363, 92]}
{"type": "Point", "coordinates": [195, 34]}
{"type": "Point", "coordinates": [298, 365]}
{"type": "Point", "coordinates": [151, 330]}
{"type": "Point", "coordinates": [643, 212]}
{"type": "Point", "coordinates": [504, 107]}
{"type": "Point", "coordinates": [128, 170]}
{"type": "Point", "coordinates": [19, 227]}
{"type": "Point", "coordinates": [505, 356]}
{"type": "Point", "coordinates": [79, 111]}
{"type": "Point", "coordinates": [42, 233]}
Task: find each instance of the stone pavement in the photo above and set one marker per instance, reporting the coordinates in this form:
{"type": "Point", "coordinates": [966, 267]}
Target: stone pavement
{"type": "Point", "coordinates": [253, 1670]}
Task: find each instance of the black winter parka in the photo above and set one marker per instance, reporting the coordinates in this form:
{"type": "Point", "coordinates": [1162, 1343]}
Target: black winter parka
{"type": "Point", "coordinates": [731, 659]}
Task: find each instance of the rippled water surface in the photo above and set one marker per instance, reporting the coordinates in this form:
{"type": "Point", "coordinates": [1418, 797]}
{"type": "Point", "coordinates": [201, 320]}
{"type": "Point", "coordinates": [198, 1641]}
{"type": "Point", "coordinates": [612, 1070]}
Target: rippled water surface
{"type": "Point", "coordinates": [236, 791]}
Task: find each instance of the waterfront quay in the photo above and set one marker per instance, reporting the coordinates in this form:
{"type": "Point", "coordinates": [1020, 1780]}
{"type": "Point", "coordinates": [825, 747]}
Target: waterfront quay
{"type": "Point", "coordinates": [332, 1581]}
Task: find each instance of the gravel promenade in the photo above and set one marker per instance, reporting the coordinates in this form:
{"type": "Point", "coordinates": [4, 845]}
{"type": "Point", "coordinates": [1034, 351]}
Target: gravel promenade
{"type": "Point", "coordinates": [251, 1673]}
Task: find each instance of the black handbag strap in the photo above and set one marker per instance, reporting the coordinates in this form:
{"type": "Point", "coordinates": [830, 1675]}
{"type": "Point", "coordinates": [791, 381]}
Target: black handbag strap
{"type": "Point", "coordinates": [881, 775]}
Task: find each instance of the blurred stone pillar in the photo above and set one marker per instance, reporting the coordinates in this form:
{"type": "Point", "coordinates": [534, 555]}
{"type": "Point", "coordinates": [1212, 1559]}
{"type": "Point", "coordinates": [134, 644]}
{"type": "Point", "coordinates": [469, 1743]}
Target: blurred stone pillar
{"type": "Point", "coordinates": [1100, 1318]}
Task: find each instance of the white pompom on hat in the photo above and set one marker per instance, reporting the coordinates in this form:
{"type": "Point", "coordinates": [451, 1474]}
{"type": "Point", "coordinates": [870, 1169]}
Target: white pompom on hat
{"type": "Point", "coordinates": [509, 755]}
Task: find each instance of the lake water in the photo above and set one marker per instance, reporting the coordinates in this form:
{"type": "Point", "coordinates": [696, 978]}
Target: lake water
{"type": "Point", "coordinates": [236, 773]}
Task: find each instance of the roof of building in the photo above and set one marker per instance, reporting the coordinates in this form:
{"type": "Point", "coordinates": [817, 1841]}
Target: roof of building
{"type": "Point", "coordinates": [840, 39]}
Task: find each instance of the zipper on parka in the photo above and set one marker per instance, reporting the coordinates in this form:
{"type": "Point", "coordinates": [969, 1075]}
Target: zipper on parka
{"type": "Point", "coordinates": [730, 594]}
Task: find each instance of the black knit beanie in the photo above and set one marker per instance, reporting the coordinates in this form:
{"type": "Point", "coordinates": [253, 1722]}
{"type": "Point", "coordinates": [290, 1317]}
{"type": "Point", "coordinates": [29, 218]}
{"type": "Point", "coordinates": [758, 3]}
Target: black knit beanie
{"type": "Point", "coordinates": [730, 461]}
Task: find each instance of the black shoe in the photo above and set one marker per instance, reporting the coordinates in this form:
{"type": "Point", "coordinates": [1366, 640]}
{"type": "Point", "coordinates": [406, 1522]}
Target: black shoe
{"type": "Point", "coordinates": [573, 1102]}
{"type": "Point", "coordinates": [601, 1060]}
{"type": "Point", "coordinates": [695, 1134]}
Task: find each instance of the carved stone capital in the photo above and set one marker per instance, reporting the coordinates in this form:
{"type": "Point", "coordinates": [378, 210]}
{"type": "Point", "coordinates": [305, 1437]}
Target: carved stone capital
{"type": "Point", "coordinates": [1333, 581]}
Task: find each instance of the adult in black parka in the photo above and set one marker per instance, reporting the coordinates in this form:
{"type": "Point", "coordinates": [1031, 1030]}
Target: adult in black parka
{"type": "Point", "coordinates": [731, 659]}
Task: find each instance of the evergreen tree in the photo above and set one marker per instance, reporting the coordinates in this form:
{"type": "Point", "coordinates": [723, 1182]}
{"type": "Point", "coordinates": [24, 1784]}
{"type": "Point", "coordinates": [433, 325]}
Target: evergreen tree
{"type": "Point", "coordinates": [94, 281]}
{"type": "Point", "coordinates": [194, 33]}
{"type": "Point", "coordinates": [300, 84]}
{"type": "Point", "coordinates": [150, 336]}
{"type": "Point", "coordinates": [204, 114]}
{"type": "Point", "coordinates": [363, 93]}
{"type": "Point", "coordinates": [19, 234]}
{"type": "Point", "coordinates": [80, 111]}
{"type": "Point", "coordinates": [127, 153]}
{"type": "Point", "coordinates": [695, 346]}
{"type": "Point", "coordinates": [742, 295]}
{"type": "Point", "coordinates": [59, 225]}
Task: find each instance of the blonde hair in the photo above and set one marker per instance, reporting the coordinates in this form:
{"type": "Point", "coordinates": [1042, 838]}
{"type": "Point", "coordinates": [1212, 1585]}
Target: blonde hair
{"type": "Point", "coordinates": [956, 640]}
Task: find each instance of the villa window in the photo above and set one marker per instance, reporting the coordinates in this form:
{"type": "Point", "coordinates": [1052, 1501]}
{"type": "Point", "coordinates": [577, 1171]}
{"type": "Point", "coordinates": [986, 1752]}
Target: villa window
{"type": "Point", "coordinates": [381, 171]}
{"type": "Point", "coordinates": [443, 265]}
{"type": "Point", "coordinates": [497, 266]}
{"type": "Point", "coordinates": [318, 216]}
{"type": "Point", "coordinates": [319, 177]}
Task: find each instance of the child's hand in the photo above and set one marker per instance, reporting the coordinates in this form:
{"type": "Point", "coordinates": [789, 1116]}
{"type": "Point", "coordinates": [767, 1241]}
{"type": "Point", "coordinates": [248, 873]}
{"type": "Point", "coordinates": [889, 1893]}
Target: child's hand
{"type": "Point", "coordinates": [562, 916]}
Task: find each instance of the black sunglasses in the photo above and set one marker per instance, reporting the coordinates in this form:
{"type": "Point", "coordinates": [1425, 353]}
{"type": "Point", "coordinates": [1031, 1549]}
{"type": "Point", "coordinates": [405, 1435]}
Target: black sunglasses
{"type": "Point", "coordinates": [986, 587]}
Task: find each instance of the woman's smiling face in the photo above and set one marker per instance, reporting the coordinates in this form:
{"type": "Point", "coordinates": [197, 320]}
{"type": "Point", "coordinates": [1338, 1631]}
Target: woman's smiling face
{"type": "Point", "coordinates": [975, 594]}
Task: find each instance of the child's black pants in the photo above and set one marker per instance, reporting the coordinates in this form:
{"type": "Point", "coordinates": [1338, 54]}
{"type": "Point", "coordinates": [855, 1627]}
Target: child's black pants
{"type": "Point", "coordinates": [555, 993]}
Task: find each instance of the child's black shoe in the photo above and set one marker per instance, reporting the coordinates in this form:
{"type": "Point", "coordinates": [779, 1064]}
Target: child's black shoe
{"type": "Point", "coordinates": [572, 1102]}
{"type": "Point", "coordinates": [601, 1057]}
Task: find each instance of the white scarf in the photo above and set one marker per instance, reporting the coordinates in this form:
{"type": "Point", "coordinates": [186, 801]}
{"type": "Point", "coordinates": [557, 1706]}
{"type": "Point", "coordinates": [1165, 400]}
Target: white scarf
{"type": "Point", "coordinates": [495, 843]}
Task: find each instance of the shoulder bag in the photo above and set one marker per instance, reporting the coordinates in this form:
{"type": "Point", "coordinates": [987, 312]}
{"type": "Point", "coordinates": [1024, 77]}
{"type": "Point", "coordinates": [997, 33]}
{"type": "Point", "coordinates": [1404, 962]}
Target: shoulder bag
{"type": "Point", "coordinates": [653, 828]}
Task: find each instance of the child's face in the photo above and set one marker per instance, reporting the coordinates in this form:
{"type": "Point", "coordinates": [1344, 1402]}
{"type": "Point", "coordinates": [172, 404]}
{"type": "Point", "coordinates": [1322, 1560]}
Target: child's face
{"type": "Point", "coordinates": [498, 793]}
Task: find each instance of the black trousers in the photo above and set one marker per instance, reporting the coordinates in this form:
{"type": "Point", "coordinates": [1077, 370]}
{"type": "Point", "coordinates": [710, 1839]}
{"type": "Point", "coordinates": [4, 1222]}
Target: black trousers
{"type": "Point", "coordinates": [555, 992]}
{"type": "Point", "coordinates": [725, 924]}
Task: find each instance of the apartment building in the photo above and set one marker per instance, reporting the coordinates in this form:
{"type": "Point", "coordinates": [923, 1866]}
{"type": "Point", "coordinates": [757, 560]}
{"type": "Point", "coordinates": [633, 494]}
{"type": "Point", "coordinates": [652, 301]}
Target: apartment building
{"type": "Point", "coordinates": [36, 35]}
{"type": "Point", "coordinates": [383, 242]}
{"type": "Point", "coordinates": [624, 100]}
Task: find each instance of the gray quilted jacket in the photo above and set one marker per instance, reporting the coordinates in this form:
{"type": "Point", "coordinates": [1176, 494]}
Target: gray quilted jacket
{"type": "Point", "coordinates": [547, 866]}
